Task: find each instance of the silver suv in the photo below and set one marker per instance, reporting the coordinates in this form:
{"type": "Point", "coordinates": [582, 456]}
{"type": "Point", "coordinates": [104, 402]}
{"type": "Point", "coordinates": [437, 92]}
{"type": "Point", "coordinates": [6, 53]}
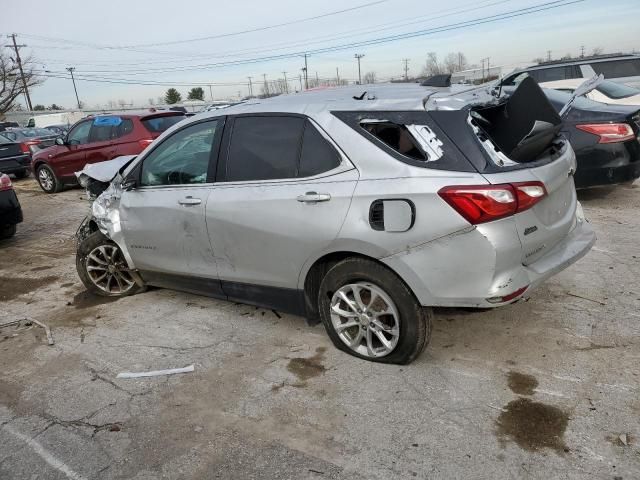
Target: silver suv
{"type": "Point", "coordinates": [359, 209]}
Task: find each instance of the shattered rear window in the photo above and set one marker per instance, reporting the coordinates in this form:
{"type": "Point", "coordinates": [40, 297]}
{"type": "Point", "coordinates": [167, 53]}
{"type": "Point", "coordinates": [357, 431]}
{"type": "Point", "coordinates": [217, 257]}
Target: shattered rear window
{"type": "Point", "coordinates": [395, 136]}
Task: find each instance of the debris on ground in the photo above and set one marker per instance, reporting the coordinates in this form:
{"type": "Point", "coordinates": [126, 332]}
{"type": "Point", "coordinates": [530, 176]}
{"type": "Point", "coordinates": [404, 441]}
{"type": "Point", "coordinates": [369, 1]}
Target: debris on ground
{"type": "Point", "coordinates": [156, 373]}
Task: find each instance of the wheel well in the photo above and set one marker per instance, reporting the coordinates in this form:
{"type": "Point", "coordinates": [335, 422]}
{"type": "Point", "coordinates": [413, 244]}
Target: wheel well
{"type": "Point", "coordinates": [37, 165]}
{"type": "Point", "coordinates": [314, 278]}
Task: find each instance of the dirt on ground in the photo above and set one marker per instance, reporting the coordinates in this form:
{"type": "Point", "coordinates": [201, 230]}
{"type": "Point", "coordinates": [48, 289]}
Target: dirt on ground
{"type": "Point", "coordinates": [544, 388]}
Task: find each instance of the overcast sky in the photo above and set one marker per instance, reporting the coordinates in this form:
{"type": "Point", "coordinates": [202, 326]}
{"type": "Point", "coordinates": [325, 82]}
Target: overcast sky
{"type": "Point", "coordinates": [118, 40]}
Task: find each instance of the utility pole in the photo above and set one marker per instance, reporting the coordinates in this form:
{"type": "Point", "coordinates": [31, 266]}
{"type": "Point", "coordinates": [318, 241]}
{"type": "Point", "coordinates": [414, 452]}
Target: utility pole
{"type": "Point", "coordinates": [548, 55]}
{"type": "Point", "coordinates": [337, 77]}
{"type": "Point", "coordinates": [406, 69]}
{"type": "Point", "coordinates": [211, 92]}
{"type": "Point", "coordinates": [306, 75]}
{"type": "Point", "coordinates": [250, 87]}
{"type": "Point", "coordinates": [488, 68]}
{"type": "Point", "coordinates": [359, 56]}
{"type": "Point", "coordinates": [482, 60]}
{"type": "Point", "coordinates": [300, 78]}
{"type": "Point", "coordinates": [17, 47]}
{"type": "Point", "coordinates": [581, 51]}
{"type": "Point", "coordinates": [266, 85]}
{"type": "Point", "coordinates": [286, 84]}
{"type": "Point", "coordinates": [71, 69]}
{"type": "Point", "coordinates": [317, 80]}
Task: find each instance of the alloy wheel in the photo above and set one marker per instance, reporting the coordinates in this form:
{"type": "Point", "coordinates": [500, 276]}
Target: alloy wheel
{"type": "Point", "coordinates": [366, 319]}
{"type": "Point", "coordinates": [108, 270]}
{"type": "Point", "coordinates": [46, 179]}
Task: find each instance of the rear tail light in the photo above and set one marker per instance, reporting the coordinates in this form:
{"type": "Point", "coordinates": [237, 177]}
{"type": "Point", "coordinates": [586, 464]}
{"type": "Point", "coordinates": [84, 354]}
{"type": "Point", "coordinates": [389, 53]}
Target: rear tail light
{"type": "Point", "coordinates": [5, 182]}
{"type": "Point", "coordinates": [145, 142]}
{"type": "Point", "coordinates": [24, 148]}
{"type": "Point", "coordinates": [609, 132]}
{"type": "Point", "coordinates": [485, 203]}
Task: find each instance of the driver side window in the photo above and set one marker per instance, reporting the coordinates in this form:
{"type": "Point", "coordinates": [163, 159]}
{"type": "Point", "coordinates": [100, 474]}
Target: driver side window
{"type": "Point", "coordinates": [80, 134]}
{"type": "Point", "coordinates": [181, 159]}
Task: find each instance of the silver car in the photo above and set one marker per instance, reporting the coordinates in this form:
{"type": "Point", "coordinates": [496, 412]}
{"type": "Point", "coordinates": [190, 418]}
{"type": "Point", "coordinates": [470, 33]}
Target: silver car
{"type": "Point", "coordinates": [359, 209]}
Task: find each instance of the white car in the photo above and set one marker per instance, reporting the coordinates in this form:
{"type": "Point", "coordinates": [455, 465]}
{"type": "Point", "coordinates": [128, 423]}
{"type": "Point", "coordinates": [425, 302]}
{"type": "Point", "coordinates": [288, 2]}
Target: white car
{"type": "Point", "coordinates": [606, 92]}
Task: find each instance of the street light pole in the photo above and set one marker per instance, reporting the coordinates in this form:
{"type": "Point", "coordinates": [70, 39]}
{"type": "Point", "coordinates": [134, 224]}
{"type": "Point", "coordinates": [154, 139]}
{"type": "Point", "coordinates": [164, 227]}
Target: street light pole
{"type": "Point", "coordinates": [359, 56]}
{"type": "Point", "coordinates": [71, 69]}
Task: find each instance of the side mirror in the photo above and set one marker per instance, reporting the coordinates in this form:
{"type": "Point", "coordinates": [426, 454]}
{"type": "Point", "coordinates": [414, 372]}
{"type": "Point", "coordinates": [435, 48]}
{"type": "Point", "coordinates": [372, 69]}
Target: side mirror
{"type": "Point", "coordinates": [129, 184]}
{"type": "Point", "coordinates": [59, 141]}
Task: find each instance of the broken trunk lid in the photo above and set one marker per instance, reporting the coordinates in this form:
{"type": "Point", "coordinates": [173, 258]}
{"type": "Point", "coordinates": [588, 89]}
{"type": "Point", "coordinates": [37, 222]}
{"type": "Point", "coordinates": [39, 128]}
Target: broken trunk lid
{"type": "Point", "coordinates": [522, 127]}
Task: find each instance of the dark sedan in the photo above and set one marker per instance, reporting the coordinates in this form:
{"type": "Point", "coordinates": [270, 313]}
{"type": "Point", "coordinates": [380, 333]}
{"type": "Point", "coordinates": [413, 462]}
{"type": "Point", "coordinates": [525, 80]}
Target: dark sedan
{"type": "Point", "coordinates": [14, 157]}
{"type": "Point", "coordinates": [606, 139]}
{"type": "Point", "coordinates": [32, 139]}
{"type": "Point", "coordinates": [10, 210]}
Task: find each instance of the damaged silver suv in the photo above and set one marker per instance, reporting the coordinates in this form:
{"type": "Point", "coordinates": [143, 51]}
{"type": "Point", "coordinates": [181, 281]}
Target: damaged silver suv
{"type": "Point", "coordinates": [359, 209]}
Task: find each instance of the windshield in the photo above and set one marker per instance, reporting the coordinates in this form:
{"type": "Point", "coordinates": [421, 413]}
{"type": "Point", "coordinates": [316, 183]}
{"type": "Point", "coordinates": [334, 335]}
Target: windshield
{"type": "Point", "coordinates": [616, 90]}
{"type": "Point", "coordinates": [160, 124]}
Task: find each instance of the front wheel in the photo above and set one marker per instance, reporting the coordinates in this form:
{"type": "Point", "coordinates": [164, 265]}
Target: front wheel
{"type": "Point", "coordinates": [48, 180]}
{"type": "Point", "coordinates": [369, 312]}
{"type": "Point", "coordinates": [103, 269]}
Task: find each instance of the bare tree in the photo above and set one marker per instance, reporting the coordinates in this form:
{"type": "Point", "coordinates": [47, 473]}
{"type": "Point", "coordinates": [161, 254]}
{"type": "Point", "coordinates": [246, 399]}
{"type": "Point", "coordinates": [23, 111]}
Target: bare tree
{"type": "Point", "coordinates": [122, 103]}
{"type": "Point", "coordinates": [597, 51]}
{"type": "Point", "coordinates": [11, 85]}
{"type": "Point", "coordinates": [369, 77]}
{"type": "Point", "coordinates": [454, 62]}
{"type": "Point", "coordinates": [432, 67]}
{"type": "Point", "coordinates": [111, 104]}
{"type": "Point", "coordinates": [151, 101]}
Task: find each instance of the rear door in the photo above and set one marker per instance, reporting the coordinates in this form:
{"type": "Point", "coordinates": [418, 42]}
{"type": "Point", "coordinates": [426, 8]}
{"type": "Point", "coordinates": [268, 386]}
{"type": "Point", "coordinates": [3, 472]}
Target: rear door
{"type": "Point", "coordinates": [164, 222]}
{"type": "Point", "coordinates": [282, 194]}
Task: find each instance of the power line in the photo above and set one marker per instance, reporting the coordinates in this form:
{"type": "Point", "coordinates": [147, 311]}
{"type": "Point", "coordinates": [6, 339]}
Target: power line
{"type": "Point", "coordinates": [315, 40]}
{"type": "Point", "coordinates": [258, 29]}
{"type": "Point", "coordinates": [376, 41]}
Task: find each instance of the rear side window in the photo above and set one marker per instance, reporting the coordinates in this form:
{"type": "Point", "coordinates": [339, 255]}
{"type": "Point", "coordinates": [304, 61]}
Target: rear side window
{"type": "Point", "coordinates": [160, 124]}
{"type": "Point", "coordinates": [100, 133]}
{"type": "Point", "coordinates": [396, 137]}
{"type": "Point", "coordinates": [318, 155]}
{"type": "Point", "coordinates": [264, 148]}
{"type": "Point", "coordinates": [617, 68]}
{"type": "Point", "coordinates": [125, 128]}
{"type": "Point", "coordinates": [555, 73]}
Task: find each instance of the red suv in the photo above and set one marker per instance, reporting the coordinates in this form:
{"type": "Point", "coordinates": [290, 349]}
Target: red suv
{"type": "Point", "coordinates": [96, 139]}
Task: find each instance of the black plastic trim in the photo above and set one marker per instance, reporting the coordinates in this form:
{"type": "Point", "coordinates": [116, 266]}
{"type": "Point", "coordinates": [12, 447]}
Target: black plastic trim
{"type": "Point", "coordinates": [286, 300]}
{"type": "Point", "coordinates": [381, 200]}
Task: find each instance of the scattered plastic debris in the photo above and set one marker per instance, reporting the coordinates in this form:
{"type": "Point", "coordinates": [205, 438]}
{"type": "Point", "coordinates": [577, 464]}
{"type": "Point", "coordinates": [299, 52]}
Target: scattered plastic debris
{"type": "Point", "coordinates": [156, 373]}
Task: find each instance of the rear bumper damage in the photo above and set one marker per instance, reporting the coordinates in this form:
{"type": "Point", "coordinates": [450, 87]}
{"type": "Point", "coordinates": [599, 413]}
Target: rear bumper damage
{"type": "Point", "coordinates": [467, 268]}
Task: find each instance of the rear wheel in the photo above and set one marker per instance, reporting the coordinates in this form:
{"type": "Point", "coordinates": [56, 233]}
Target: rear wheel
{"type": "Point", "coordinates": [103, 269]}
{"type": "Point", "coordinates": [48, 180]}
{"type": "Point", "coordinates": [369, 312]}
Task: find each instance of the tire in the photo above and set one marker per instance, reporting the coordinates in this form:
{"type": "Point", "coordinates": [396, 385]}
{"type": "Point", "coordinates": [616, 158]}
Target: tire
{"type": "Point", "coordinates": [22, 174]}
{"type": "Point", "coordinates": [47, 180]}
{"type": "Point", "coordinates": [407, 329]}
{"type": "Point", "coordinates": [97, 251]}
{"type": "Point", "coordinates": [7, 231]}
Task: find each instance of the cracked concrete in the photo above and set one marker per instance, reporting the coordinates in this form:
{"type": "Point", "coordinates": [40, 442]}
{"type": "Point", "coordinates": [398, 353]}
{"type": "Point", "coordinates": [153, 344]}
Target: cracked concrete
{"type": "Point", "coordinates": [266, 401]}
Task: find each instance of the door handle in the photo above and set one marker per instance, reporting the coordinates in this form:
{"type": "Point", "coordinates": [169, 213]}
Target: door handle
{"type": "Point", "coordinates": [314, 197]}
{"type": "Point", "coordinates": [190, 201]}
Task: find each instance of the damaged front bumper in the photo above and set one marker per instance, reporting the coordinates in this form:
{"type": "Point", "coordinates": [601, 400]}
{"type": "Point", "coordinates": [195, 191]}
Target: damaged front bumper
{"type": "Point", "coordinates": [478, 264]}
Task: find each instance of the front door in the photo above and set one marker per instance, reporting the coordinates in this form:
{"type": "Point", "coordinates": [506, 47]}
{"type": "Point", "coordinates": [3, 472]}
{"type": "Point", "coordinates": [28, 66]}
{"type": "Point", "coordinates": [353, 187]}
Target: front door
{"type": "Point", "coordinates": [163, 217]}
{"type": "Point", "coordinates": [72, 157]}
{"type": "Point", "coordinates": [283, 194]}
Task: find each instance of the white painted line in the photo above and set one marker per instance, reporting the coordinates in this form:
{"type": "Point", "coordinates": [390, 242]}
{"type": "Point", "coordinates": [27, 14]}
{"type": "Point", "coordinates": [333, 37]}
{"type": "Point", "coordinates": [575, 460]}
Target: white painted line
{"type": "Point", "coordinates": [45, 454]}
{"type": "Point", "coordinates": [155, 373]}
